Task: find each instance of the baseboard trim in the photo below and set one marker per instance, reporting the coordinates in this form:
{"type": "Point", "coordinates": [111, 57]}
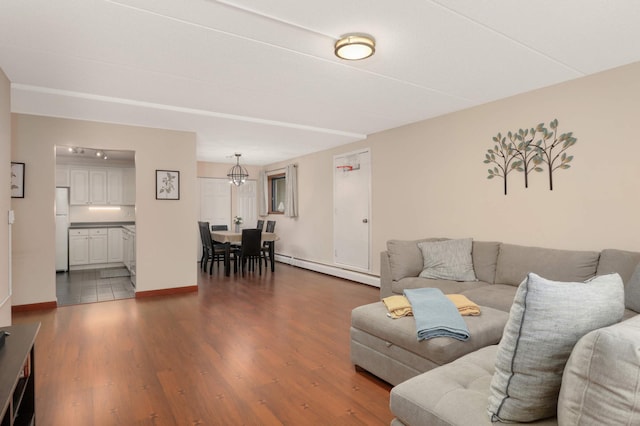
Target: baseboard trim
{"type": "Point", "coordinates": [335, 271]}
{"type": "Point", "coordinates": [34, 307]}
{"type": "Point", "coordinates": [167, 291]}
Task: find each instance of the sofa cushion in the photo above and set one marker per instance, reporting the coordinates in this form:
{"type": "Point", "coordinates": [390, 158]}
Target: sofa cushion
{"type": "Point", "coordinates": [485, 329]}
{"type": "Point", "coordinates": [447, 286]}
{"type": "Point", "coordinates": [447, 260]}
{"type": "Point", "coordinates": [454, 394]}
{"type": "Point", "coordinates": [632, 291]}
{"type": "Point", "coordinates": [497, 296]}
{"type": "Point", "coordinates": [485, 258]}
{"type": "Point", "coordinates": [619, 261]}
{"type": "Point", "coordinates": [546, 320]}
{"type": "Point", "coordinates": [601, 380]}
{"type": "Point", "coordinates": [515, 262]}
{"type": "Point", "coordinates": [405, 258]}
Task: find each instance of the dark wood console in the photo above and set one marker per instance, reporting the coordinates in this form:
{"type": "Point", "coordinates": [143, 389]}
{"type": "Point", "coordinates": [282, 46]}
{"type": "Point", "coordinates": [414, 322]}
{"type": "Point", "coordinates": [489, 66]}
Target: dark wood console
{"type": "Point", "coordinates": [17, 375]}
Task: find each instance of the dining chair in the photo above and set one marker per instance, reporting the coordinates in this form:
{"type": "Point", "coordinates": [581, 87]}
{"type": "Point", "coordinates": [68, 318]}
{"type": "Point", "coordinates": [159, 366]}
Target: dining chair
{"type": "Point", "coordinates": [203, 258]}
{"type": "Point", "coordinates": [260, 225]}
{"type": "Point", "coordinates": [266, 246]}
{"type": "Point", "coordinates": [219, 228]}
{"type": "Point", "coordinates": [250, 250]}
{"type": "Point", "coordinates": [213, 252]}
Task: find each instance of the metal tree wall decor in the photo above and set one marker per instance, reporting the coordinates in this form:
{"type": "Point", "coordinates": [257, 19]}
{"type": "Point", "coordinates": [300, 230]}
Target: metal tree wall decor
{"type": "Point", "coordinates": [530, 150]}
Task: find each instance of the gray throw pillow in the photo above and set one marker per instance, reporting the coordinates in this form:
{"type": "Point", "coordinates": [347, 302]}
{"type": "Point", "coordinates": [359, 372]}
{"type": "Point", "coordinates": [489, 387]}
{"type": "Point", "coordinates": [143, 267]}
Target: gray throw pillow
{"type": "Point", "coordinates": [546, 320]}
{"type": "Point", "coordinates": [405, 258]}
{"type": "Point", "coordinates": [448, 260]}
{"type": "Point", "coordinates": [632, 291]}
{"type": "Point", "coordinates": [601, 379]}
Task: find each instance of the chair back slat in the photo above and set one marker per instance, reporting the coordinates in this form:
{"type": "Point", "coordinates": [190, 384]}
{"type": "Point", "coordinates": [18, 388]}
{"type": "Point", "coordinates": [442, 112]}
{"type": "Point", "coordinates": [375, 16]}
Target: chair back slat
{"type": "Point", "coordinates": [271, 225]}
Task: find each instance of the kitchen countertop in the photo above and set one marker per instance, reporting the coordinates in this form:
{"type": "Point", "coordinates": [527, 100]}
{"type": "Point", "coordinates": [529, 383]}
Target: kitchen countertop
{"type": "Point", "coordinates": [88, 225]}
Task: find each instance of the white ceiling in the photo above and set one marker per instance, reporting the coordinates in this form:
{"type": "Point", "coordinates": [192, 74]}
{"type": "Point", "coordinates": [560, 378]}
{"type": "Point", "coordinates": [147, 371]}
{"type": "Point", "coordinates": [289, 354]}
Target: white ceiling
{"type": "Point", "coordinates": [259, 77]}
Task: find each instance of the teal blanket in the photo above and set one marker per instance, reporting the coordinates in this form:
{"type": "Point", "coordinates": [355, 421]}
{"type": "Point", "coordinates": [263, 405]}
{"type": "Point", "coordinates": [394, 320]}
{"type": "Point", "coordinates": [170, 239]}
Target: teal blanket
{"type": "Point", "coordinates": [436, 315]}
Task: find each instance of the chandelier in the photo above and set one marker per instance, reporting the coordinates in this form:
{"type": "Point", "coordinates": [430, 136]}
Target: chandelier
{"type": "Point", "coordinates": [237, 174]}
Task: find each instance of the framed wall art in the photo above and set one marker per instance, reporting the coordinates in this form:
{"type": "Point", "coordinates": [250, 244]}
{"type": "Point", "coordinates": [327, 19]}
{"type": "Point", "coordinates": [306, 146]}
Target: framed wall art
{"type": "Point", "coordinates": [167, 185]}
{"type": "Point", "coordinates": [17, 180]}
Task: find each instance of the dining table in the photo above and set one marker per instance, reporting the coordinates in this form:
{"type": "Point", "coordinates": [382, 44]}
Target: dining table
{"type": "Point", "coordinates": [229, 237]}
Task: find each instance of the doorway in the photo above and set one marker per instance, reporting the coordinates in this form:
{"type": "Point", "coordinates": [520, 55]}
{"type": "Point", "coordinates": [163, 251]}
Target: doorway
{"type": "Point", "coordinates": [95, 219]}
{"type": "Point", "coordinates": [352, 210]}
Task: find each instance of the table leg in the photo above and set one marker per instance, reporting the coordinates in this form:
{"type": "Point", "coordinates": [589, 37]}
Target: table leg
{"type": "Point", "coordinates": [272, 251]}
{"type": "Point", "coordinates": [227, 259]}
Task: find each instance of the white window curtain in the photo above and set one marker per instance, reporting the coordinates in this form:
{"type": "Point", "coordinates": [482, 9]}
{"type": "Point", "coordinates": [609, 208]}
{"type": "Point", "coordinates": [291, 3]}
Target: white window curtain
{"type": "Point", "coordinates": [263, 194]}
{"type": "Point", "coordinates": [291, 191]}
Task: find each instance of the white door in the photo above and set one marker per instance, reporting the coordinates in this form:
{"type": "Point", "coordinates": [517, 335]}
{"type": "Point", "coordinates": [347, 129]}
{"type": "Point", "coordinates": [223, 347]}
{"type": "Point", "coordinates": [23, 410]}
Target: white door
{"type": "Point", "coordinates": [351, 202]}
{"type": "Point", "coordinates": [246, 204]}
{"type": "Point", "coordinates": [215, 204]}
{"type": "Point", "coordinates": [215, 201]}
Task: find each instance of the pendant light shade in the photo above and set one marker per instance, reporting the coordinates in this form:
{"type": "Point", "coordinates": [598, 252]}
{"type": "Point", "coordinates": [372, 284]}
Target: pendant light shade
{"type": "Point", "coordinates": [237, 174]}
{"type": "Point", "coordinates": [354, 47]}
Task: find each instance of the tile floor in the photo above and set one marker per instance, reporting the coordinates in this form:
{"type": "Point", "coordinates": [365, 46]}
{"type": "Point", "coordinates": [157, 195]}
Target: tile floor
{"type": "Point", "coordinates": [87, 286]}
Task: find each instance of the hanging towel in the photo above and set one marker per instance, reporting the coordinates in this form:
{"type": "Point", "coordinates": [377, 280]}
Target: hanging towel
{"type": "Point", "coordinates": [398, 306]}
{"type": "Point", "coordinates": [464, 305]}
{"type": "Point", "coordinates": [436, 315]}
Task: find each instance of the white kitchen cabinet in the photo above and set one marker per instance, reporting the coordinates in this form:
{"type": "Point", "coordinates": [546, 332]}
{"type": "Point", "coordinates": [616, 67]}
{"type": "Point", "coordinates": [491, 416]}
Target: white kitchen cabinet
{"type": "Point", "coordinates": [90, 246]}
{"type": "Point", "coordinates": [101, 186]}
{"type": "Point", "coordinates": [79, 182]}
{"type": "Point", "coordinates": [115, 245]}
{"type": "Point", "coordinates": [98, 245]}
{"type": "Point", "coordinates": [129, 186]}
{"type": "Point", "coordinates": [78, 247]}
{"type": "Point", "coordinates": [88, 186]}
{"type": "Point", "coordinates": [97, 186]}
{"type": "Point", "coordinates": [114, 186]}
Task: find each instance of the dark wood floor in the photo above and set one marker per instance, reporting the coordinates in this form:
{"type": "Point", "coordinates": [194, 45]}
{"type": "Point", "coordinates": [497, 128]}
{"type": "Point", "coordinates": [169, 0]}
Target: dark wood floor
{"type": "Point", "coordinates": [258, 350]}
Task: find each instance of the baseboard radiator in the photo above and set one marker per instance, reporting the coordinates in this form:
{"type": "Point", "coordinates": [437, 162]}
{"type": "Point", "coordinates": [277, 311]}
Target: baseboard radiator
{"type": "Point", "coordinates": [335, 271]}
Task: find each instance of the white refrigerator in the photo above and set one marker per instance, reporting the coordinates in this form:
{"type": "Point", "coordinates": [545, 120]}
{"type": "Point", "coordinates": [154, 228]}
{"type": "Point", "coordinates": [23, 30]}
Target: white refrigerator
{"type": "Point", "coordinates": [62, 229]}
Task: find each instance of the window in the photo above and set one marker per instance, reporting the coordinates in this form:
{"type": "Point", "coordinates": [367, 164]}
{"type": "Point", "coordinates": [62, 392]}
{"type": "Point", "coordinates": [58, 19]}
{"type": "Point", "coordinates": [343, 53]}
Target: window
{"type": "Point", "coordinates": [276, 193]}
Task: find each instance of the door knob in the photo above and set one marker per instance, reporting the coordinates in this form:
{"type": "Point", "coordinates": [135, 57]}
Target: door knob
{"type": "Point", "coordinates": [365, 221]}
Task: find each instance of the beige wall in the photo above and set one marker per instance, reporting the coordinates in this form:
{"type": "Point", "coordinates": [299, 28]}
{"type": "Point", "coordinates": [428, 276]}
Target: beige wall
{"type": "Point", "coordinates": [429, 178]}
{"type": "Point", "coordinates": [165, 235]}
{"type": "Point", "coordinates": [5, 195]}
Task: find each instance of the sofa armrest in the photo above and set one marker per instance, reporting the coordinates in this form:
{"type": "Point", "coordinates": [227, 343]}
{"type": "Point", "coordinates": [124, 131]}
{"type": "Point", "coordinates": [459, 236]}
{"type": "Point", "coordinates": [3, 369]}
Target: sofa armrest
{"type": "Point", "coordinates": [385, 275]}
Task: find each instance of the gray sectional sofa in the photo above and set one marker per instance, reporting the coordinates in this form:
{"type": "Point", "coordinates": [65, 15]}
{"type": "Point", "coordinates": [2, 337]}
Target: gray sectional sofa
{"type": "Point", "coordinates": [444, 381]}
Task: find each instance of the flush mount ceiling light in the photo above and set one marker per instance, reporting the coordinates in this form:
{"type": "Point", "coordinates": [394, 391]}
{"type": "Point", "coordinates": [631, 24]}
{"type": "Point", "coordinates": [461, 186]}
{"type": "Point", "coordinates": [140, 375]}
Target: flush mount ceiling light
{"type": "Point", "coordinates": [237, 174]}
{"type": "Point", "coordinates": [354, 47]}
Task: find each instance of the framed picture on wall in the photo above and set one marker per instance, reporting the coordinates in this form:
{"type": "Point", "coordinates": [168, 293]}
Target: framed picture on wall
{"type": "Point", "coordinates": [17, 180]}
{"type": "Point", "coordinates": [167, 185]}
